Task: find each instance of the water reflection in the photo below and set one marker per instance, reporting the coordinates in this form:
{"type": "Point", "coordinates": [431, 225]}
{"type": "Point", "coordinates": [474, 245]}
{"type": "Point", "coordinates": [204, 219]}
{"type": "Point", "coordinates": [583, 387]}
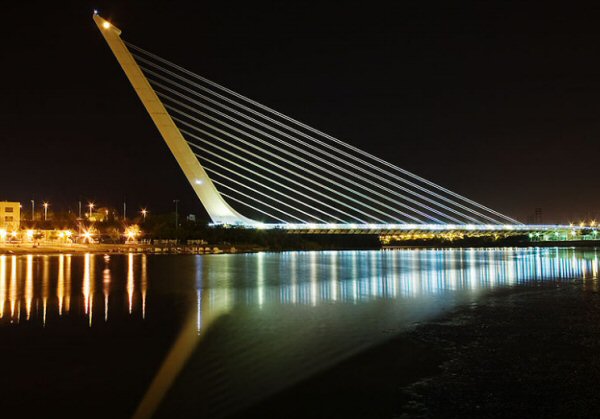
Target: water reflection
{"type": "Point", "coordinates": [294, 311]}
{"type": "Point", "coordinates": [130, 282]}
{"type": "Point", "coordinates": [43, 286]}
{"type": "Point", "coordinates": [13, 285]}
{"type": "Point", "coordinates": [302, 311]}
{"type": "Point", "coordinates": [106, 285]}
{"type": "Point", "coordinates": [29, 286]}
{"type": "Point", "coordinates": [315, 278]}
{"type": "Point", "coordinates": [306, 278]}
{"type": "Point", "coordinates": [2, 284]}
{"type": "Point", "coordinates": [144, 284]}
{"type": "Point", "coordinates": [60, 283]}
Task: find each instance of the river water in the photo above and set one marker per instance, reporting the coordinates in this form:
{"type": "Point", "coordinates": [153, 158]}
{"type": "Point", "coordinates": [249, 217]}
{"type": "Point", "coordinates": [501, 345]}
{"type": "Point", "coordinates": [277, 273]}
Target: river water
{"type": "Point", "coordinates": [181, 335]}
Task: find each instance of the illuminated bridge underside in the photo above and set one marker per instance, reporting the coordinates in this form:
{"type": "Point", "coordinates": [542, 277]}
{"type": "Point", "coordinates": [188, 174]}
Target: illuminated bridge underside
{"type": "Point", "coordinates": [242, 157]}
{"type": "Point", "coordinates": [427, 230]}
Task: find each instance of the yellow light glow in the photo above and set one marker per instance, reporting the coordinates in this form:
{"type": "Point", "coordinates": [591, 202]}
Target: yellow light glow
{"type": "Point", "coordinates": [132, 232]}
{"type": "Point", "coordinates": [29, 285]}
{"type": "Point", "coordinates": [29, 234]}
{"type": "Point", "coordinates": [68, 233]}
{"type": "Point", "coordinates": [106, 25]}
{"type": "Point", "coordinates": [88, 235]}
{"type": "Point", "coordinates": [3, 234]}
{"type": "Point", "coordinates": [130, 281]}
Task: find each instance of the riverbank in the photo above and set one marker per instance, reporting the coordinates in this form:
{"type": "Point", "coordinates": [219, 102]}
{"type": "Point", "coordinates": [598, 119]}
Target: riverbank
{"type": "Point", "coordinates": [76, 248]}
{"type": "Point", "coordinates": [433, 244]}
{"type": "Point", "coordinates": [521, 352]}
{"type": "Point", "coordinates": [259, 241]}
{"type": "Point", "coordinates": [53, 249]}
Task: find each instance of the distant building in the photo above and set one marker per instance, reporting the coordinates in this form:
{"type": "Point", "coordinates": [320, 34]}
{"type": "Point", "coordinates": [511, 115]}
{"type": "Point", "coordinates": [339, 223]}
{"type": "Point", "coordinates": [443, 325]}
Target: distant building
{"type": "Point", "coordinates": [10, 215]}
{"type": "Point", "coordinates": [537, 216]}
{"type": "Point", "coordinates": [99, 215]}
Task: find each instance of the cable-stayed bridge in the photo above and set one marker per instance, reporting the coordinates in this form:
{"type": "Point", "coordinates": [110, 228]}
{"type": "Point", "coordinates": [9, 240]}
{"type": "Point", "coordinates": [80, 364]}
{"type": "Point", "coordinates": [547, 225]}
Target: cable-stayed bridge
{"type": "Point", "coordinates": [242, 157]}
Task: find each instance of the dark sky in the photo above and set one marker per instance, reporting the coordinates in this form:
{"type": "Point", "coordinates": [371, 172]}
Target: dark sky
{"type": "Point", "coordinates": [498, 101]}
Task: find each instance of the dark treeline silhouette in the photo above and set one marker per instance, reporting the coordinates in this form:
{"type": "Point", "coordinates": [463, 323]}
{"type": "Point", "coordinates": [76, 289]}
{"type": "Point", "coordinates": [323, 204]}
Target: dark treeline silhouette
{"type": "Point", "coordinates": [163, 227]}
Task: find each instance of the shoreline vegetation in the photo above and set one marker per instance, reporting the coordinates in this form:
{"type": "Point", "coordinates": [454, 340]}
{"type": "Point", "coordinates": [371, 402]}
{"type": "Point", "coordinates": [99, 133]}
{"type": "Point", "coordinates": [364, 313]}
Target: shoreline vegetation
{"type": "Point", "coordinates": [240, 241]}
{"type": "Point", "coordinates": [248, 243]}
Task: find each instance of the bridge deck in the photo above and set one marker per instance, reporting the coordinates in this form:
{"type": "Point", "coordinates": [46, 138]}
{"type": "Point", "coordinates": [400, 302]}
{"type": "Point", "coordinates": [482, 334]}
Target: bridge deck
{"type": "Point", "coordinates": [435, 229]}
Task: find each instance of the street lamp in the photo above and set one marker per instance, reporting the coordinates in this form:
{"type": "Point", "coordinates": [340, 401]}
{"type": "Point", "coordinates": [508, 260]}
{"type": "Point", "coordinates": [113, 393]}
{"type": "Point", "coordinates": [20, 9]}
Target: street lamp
{"type": "Point", "coordinates": [45, 211]}
{"type": "Point", "coordinates": [144, 212]}
{"type": "Point", "coordinates": [91, 205]}
{"type": "Point", "coordinates": [32, 210]}
{"type": "Point", "coordinates": [176, 202]}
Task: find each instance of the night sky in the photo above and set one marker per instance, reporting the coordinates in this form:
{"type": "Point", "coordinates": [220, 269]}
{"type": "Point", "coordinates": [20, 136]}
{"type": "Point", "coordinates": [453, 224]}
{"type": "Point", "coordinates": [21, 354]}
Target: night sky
{"type": "Point", "coordinates": [498, 101]}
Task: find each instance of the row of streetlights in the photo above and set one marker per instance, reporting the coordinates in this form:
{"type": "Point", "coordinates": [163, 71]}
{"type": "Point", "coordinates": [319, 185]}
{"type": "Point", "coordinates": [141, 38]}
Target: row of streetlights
{"type": "Point", "coordinates": [90, 205]}
{"type": "Point", "coordinates": [45, 205]}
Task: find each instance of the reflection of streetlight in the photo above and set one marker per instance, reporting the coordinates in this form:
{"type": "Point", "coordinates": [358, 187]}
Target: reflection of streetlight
{"type": "Point", "coordinates": [91, 205]}
{"type": "Point", "coordinates": [144, 212]}
{"type": "Point", "coordinates": [45, 211]}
